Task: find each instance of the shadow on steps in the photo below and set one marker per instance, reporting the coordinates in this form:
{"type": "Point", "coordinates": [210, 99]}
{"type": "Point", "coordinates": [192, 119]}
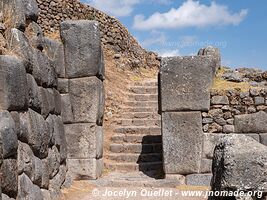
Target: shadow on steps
{"type": "Point", "coordinates": [150, 160]}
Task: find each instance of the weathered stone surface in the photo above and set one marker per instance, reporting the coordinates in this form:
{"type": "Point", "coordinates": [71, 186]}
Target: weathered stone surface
{"type": "Point", "coordinates": [47, 99]}
{"type": "Point", "coordinates": [67, 114]}
{"type": "Point", "coordinates": [220, 100]}
{"type": "Point", "coordinates": [9, 179]}
{"type": "Point", "coordinates": [251, 123]}
{"type": "Point", "coordinates": [54, 161]}
{"type": "Point", "coordinates": [14, 13]}
{"type": "Point", "coordinates": [37, 172]}
{"type": "Point", "coordinates": [85, 95]}
{"type": "Point", "coordinates": [57, 99]}
{"type": "Point", "coordinates": [82, 48]}
{"type": "Point", "coordinates": [185, 83]}
{"type": "Point", "coordinates": [56, 183]}
{"type": "Point", "coordinates": [263, 138]}
{"type": "Point", "coordinates": [34, 101]}
{"type": "Point", "coordinates": [198, 179]}
{"type": "Point", "coordinates": [26, 162]}
{"type": "Point", "coordinates": [43, 70]}
{"type": "Point", "coordinates": [228, 128]}
{"type": "Point", "coordinates": [31, 9]}
{"type": "Point", "coordinates": [206, 165]}
{"type": "Point", "coordinates": [84, 169]}
{"type": "Point", "coordinates": [45, 174]}
{"type": "Point", "coordinates": [259, 100]}
{"type": "Point", "coordinates": [5, 197]}
{"type": "Point", "coordinates": [58, 135]}
{"type": "Point", "coordinates": [46, 194]}
{"type": "Point", "coordinates": [210, 141]}
{"type": "Point", "coordinates": [84, 141]}
{"type": "Point", "coordinates": [27, 190]}
{"type": "Point", "coordinates": [255, 137]}
{"type": "Point", "coordinates": [8, 135]}
{"type": "Point", "coordinates": [36, 133]}
{"type": "Point", "coordinates": [63, 86]}
{"type": "Point", "coordinates": [211, 51]}
{"type": "Point", "coordinates": [182, 138]}
{"type": "Point", "coordinates": [20, 46]}
{"type": "Point", "coordinates": [55, 51]}
{"type": "Point", "coordinates": [14, 95]}
{"type": "Point", "coordinates": [237, 168]}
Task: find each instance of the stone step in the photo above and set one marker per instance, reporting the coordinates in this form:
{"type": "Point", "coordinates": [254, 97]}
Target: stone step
{"type": "Point", "coordinates": [135, 158]}
{"type": "Point", "coordinates": [146, 83]}
{"type": "Point", "coordinates": [140, 115]}
{"type": "Point", "coordinates": [139, 122]}
{"type": "Point", "coordinates": [136, 148]}
{"type": "Point", "coordinates": [146, 130]}
{"type": "Point", "coordinates": [148, 104]}
{"type": "Point", "coordinates": [139, 109]}
{"type": "Point", "coordinates": [144, 139]}
{"type": "Point", "coordinates": [143, 89]}
{"type": "Point", "coordinates": [143, 97]}
{"type": "Point", "coordinates": [128, 167]}
{"type": "Point", "coordinates": [147, 179]}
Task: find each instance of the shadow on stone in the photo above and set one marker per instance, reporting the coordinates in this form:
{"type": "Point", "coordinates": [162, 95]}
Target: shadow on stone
{"type": "Point", "coordinates": [150, 159]}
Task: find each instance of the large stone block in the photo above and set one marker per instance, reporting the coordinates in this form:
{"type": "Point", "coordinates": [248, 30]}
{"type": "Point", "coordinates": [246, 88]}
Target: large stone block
{"type": "Point", "coordinates": [211, 51]}
{"type": "Point", "coordinates": [239, 165]}
{"type": "Point", "coordinates": [82, 44]}
{"type": "Point", "coordinates": [13, 82]}
{"type": "Point", "coordinates": [31, 9]}
{"type": "Point", "coordinates": [9, 179]}
{"type": "Point", "coordinates": [185, 83]}
{"type": "Point", "coordinates": [55, 51]}
{"type": "Point", "coordinates": [86, 95]}
{"type": "Point", "coordinates": [251, 123]}
{"type": "Point", "coordinates": [8, 135]}
{"type": "Point", "coordinates": [36, 134]}
{"type": "Point", "coordinates": [84, 140]}
{"type": "Point", "coordinates": [43, 70]}
{"type": "Point", "coordinates": [182, 142]}
{"type": "Point", "coordinates": [84, 169]}
{"type": "Point", "coordinates": [34, 100]}
{"type": "Point", "coordinates": [198, 179]}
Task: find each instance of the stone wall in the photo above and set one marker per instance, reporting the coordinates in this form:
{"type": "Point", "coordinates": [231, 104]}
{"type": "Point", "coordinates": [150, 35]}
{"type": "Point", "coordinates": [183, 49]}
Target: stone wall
{"type": "Point", "coordinates": [113, 34]}
{"type": "Point", "coordinates": [184, 89]}
{"type": "Point", "coordinates": [48, 88]}
{"type": "Point", "coordinates": [83, 98]}
{"type": "Point", "coordinates": [32, 138]}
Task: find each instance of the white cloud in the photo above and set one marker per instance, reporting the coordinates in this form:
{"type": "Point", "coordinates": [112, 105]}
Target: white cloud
{"type": "Point", "coordinates": [155, 37]}
{"type": "Point", "coordinates": [168, 52]}
{"type": "Point", "coordinates": [190, 14]}
{"type": "Point", "coordinates": [117, 8]}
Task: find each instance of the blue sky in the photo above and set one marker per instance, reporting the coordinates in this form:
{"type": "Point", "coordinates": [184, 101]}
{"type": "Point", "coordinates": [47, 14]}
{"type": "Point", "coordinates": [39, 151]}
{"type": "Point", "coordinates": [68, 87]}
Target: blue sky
{"type": "Point", "coordinates": [182, 27]}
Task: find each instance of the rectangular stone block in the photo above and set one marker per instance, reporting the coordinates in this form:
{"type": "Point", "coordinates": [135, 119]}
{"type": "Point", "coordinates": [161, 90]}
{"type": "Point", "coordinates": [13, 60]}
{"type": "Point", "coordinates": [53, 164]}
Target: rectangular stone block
{"type": "Point", "coordinates": [85, 169]}
{"type": "Point", "coordinates": [185, 83]}
{"type": "Point", "coordinates": [86, 96]}
{"type": "Point", "coordinates": [82, 45]}
{"type": "Point", "coordinates": [198, 179]}
{"type": "Point", "coordinates": [251, 123]}
{"type": "Point", "coordinates": [13, 84]}
{"type": "Point", "coordinates": [84, 140]}
{"type": "Point", "coordinates": [182, 142]}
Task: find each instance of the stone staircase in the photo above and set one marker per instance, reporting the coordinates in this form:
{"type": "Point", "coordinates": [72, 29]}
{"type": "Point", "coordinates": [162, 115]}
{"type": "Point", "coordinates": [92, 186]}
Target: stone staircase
{"type": "Point", "coordinates": [137, 144]}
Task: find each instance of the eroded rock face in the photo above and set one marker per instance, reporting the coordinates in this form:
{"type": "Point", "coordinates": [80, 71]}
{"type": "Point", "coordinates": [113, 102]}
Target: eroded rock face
{"type": "Point", "coordinates": [239, 164]}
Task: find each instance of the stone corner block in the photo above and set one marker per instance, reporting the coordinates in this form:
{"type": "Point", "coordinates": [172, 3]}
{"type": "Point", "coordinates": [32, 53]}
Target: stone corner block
{"type": "Point", "coordinates": [185, 83]}
{"type": "Point", "coordinates": [182, 142]}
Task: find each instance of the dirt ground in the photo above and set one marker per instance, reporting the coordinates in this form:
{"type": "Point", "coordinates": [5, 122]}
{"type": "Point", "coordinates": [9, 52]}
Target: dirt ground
{"type": "Point", "coordinates": [84, 190]}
